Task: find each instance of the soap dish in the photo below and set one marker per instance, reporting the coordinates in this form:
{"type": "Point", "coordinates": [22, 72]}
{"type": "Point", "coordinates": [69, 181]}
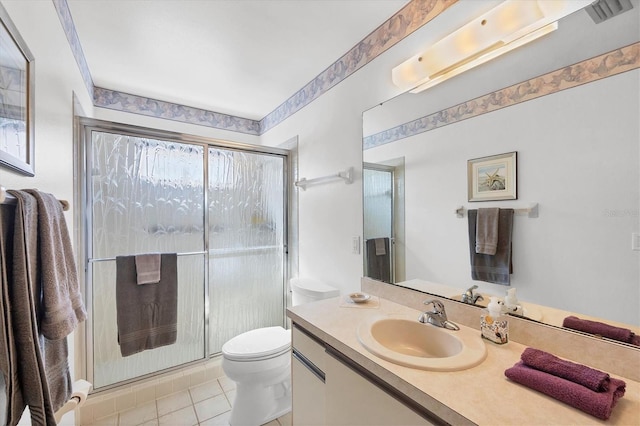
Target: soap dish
{"type": "Point", "coordinates": [359, 297]}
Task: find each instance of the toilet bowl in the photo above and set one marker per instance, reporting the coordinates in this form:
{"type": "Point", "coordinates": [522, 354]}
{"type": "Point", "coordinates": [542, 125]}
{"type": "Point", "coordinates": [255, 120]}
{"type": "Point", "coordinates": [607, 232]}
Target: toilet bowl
{"type": "Point", "coordinates": [259, 362]}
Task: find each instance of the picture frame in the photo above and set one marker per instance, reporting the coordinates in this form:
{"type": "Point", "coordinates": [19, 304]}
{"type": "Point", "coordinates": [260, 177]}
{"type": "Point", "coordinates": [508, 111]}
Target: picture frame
{"type": "Point", "coordinates": [17, 77]}
{"type": "Point", "coordinates": [493, 178]}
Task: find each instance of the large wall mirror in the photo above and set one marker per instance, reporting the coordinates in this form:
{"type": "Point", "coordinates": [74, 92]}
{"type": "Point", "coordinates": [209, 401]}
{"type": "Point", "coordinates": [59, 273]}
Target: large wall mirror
{"type": "Point", "coordinates": [568, 104]}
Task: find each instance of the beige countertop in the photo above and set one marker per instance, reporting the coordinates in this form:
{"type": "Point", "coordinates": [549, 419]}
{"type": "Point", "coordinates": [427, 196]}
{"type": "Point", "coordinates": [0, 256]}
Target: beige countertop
{"type": "Point", "coordinates": [480, 395]}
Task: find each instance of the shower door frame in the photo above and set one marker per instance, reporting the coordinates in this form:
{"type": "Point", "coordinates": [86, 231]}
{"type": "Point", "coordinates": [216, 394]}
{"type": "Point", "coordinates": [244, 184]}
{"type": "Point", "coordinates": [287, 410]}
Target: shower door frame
{"type": "Point", "coordinates": [392, 225]}
{"type": "Point", "coordinates": [82, 134]}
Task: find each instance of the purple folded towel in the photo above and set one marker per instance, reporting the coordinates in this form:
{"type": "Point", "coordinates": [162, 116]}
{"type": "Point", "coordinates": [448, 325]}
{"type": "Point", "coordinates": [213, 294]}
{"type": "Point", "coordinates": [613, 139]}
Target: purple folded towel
{"type": "Point", "coordinates": [605, 330]}
{"type": "Point", "coordinates": [588, 377]}
{"type": "Point", "coordinates": [598, 404]}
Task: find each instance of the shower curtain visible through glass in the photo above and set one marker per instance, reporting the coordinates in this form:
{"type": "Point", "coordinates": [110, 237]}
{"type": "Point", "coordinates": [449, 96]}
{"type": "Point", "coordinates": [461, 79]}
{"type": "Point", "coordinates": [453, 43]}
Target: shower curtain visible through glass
{"type": "Point", "coordinates": [149, 195]}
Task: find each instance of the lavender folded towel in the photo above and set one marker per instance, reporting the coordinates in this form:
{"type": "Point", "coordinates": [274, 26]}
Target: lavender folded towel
{"type": "Point", "coordinates": [148, 268]}
{"type": "Point", "coordinates": [597, 404]}
{"type": "Point", "coordinates": [605, 330]}
{"type": "Point", "coordinates": [588, 377]}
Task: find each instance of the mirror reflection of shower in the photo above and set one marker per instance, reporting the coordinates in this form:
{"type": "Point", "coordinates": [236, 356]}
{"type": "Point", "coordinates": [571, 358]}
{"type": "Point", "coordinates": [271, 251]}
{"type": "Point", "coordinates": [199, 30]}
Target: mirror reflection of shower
{"type": "Point", "coordinates": [383, 202]}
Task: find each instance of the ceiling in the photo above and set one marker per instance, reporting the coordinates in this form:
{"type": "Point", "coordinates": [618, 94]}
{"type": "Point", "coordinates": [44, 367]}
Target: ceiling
{"type": "Point", "coordinates": [237, 57]}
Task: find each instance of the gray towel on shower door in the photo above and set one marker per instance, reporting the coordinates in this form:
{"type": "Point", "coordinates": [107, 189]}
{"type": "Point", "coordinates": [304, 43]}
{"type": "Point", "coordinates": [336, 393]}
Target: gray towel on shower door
{"type": "Point", "coordinates": [147, 314]}
{"type": "Point", "coordinates": [497, 268]}
{"type": "Point", "coordinates": [487, 231]}
{"type": "Point", "coordinates": [378, 266]}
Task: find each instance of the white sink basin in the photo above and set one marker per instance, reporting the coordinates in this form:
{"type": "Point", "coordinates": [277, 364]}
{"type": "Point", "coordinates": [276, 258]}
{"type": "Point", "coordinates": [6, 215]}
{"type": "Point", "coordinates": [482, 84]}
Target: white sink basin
{"type": "Point", "coordinates": [404, 341]}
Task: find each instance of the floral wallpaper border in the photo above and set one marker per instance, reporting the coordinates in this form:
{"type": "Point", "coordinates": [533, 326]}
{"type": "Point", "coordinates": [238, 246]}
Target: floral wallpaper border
{"type": "Point", "coordinates": [64, 14]}
{"type": "Point", "coordinates": [134, 104]}
{"type": "Point", "coordinates": [603, 66]}
{"type": "Point", "coordinates": [411, 17]}
{"type": "Point", "coordinates": [408, 19]}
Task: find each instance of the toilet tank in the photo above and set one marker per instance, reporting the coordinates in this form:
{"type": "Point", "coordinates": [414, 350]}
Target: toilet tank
{"type": "Point", "coordinates": [305, 290]}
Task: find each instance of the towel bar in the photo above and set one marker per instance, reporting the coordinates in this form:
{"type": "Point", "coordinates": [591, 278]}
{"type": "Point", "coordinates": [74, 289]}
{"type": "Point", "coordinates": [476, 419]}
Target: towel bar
{"type": "Point", "coordinates": [6, 198]}
{"type": "Point", "coordinates": [347, 175]}
{"type": "Point", "coordinates": [531, 212]}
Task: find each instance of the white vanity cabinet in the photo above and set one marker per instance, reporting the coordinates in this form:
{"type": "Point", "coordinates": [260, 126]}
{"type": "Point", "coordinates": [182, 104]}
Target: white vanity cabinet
{"type": "Point", "coordinates": [307, 380]}
{"type": "Point", "coordinates": [329, 391]}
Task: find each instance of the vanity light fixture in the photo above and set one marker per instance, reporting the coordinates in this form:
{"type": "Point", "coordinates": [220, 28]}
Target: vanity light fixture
{"type": "Point", "coordinates": [509, 25]}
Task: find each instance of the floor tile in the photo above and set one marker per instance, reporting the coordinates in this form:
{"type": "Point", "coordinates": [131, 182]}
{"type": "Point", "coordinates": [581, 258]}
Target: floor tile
{"type": "Point", "coordinates": [173, 402]}
{"type": "Point", "coordinates": [226, 383]}
{"type": "Point", "coordinates": [139, 415]}
{"type": "Point", "coordinates": [106, 421]}
{"type": "Point", "coordinates": [231, 396]}
{"type": "Point", "coordinates": [212, 407]}
{"type": "Point", "coordinates": [205, 391]}
{"type": "Point", "coordinates": [183, 417]}
{"type": "Point", "coordinates": [221, 420]}
{"type": "Point", "coordinates": [272, 423]}
{"type": "Point", "coordinates": [286, 419]}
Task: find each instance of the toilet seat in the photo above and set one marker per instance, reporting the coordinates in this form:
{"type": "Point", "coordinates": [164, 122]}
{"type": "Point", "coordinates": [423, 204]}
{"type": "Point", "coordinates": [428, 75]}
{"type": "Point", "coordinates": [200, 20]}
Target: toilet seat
{"type": "Point", "coordinates": [258, 344]}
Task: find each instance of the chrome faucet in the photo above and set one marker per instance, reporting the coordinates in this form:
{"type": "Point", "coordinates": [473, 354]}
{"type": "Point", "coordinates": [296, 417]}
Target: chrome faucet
{"type": "Point", "coordinates": [437, 316]}
{"type": "Point", "coordinates": [470, 296]}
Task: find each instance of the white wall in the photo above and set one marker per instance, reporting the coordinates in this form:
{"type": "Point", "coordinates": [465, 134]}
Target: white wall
{"type": "Point", "coordinates": [578, 153]}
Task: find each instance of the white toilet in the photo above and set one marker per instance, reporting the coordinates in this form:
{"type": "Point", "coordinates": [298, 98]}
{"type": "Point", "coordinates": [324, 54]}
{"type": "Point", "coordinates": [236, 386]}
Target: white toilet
{"type": "Point", "coordinates": [259, 361]}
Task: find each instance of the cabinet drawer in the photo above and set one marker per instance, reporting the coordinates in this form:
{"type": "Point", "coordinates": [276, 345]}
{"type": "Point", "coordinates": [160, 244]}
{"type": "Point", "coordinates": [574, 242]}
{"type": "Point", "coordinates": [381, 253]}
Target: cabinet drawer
{"type": "Point", "coordinates": [308, 347]}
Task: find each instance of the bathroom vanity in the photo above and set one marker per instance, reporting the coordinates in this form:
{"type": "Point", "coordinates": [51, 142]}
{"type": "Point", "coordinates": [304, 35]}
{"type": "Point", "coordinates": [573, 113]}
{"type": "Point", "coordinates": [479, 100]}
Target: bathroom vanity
{"type": "Point", "coordinates": [336, 380]}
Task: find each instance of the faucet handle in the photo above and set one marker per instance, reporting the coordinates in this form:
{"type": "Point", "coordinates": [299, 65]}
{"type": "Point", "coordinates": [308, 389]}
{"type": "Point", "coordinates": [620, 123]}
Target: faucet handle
{"type": "Point", "coordinates": [470, 296]}
{"type": "Point", "coordinates": [438, 316]}
{"type": "Point", "coordinates": [438, 307]}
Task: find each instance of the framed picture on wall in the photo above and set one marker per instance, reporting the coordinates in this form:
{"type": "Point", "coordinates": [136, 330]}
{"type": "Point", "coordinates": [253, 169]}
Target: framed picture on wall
{"type": "Point", "coordinates": [492, 178]}
{"type": "Point", "coordinates": [17, 142]}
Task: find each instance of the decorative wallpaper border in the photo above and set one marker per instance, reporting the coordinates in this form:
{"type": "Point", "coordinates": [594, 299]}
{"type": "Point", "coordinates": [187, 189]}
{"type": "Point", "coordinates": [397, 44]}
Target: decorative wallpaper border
{"type": "Point", "coordinates": [119, 101]}
{"type": "Point", "coordinates": [64, 14]}
{"type": "Point", "coordinates": [411, 17]}
{"type": "Point", "coordinates": [606, 65]}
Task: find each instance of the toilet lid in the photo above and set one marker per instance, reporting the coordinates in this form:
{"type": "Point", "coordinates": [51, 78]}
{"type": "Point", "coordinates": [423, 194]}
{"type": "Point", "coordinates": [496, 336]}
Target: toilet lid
{"type": "Point", "coordinates": [257, 344]}
{"type": "Point", "coordinates": [313, 288]}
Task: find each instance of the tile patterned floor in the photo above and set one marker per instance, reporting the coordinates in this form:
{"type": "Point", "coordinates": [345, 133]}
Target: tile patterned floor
{"type": "Point", "coordinates": [207, 404]}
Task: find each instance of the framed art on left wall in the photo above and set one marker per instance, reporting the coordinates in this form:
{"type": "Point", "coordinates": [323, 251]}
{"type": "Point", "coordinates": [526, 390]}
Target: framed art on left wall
{"type": "Point", "coordinates": [17, 74]}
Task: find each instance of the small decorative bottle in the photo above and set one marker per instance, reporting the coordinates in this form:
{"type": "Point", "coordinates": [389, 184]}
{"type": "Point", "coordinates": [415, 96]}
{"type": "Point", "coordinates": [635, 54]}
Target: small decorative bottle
{"type": "Point", "coordinates": [493, 325]}
{"type": "Point", "coordinates": [511, 304]}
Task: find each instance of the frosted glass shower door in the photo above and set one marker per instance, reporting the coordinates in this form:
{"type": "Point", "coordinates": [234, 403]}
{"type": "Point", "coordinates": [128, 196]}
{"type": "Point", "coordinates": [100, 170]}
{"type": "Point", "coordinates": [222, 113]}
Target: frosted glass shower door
{"type": "Point", "coordinates": [246, 209]}
{"type": "Point", "coordinates": [144, 195]}
{"type": "Point", "coordinates": [378, 221]}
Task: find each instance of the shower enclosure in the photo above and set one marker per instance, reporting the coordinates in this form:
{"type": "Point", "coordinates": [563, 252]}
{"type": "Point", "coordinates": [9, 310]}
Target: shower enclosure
{"type": "Point", "coordinates": [221, 207]}
{"type": "Point", "coordinates": [378, 221]}
{"type": "Point", "coordinates": [383, 215]}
